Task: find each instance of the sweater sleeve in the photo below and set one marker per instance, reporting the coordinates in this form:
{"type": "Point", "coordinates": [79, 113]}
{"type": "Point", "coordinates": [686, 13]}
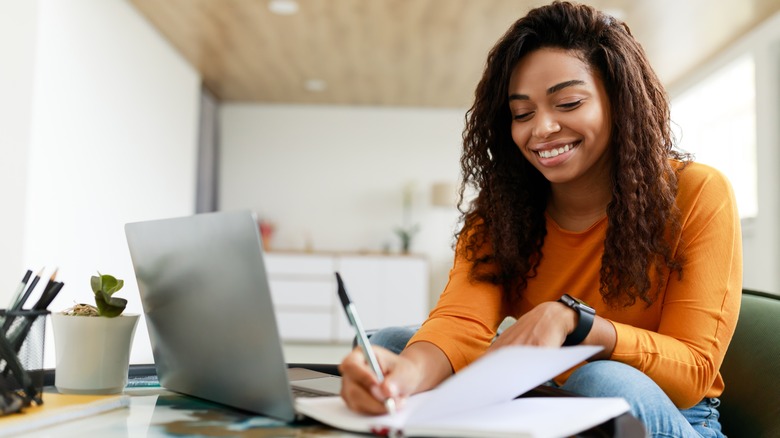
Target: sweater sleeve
{"type": "Point", "coordinates": [699, 308]}
{"type": "Point", "coordinates": [466, 317]}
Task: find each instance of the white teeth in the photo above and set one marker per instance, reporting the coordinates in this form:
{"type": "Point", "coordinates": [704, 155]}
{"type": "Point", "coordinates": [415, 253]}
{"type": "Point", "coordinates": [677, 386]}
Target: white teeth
{"type": "Point", "coordinates": [554, 152]}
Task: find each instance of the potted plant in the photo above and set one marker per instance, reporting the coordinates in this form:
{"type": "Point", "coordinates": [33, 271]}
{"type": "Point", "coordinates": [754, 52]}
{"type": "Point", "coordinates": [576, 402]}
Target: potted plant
{"type": "Point", "coordinates": [407, 231]}
{"type": "Point", "coordinates": [92, 343]}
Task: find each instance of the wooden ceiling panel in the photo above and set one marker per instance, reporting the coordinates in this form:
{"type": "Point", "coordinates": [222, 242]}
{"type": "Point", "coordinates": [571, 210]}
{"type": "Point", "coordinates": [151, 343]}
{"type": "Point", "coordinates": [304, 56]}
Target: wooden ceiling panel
{"type": "Point", "coordinates": [421, 53]}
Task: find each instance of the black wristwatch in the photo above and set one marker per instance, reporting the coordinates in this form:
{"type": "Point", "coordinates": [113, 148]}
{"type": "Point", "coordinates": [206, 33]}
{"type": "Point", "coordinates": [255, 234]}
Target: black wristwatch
{"type": "Point", "coordinates": [585, 323]}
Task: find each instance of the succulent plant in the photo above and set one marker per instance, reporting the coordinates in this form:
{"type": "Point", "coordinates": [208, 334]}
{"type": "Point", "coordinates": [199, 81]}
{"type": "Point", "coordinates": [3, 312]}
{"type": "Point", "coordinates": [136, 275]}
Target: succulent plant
{"type": "Point", "coordinates": [104, 287]}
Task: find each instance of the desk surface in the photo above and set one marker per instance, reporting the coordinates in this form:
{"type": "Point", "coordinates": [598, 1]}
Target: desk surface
{"type": "Point", "coordinates": [156, 412]}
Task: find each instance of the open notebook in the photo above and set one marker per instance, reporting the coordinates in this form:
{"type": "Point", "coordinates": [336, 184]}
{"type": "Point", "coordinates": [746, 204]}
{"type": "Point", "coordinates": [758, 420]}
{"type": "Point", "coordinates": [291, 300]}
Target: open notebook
{"type": "Point", "coordinates": [479, 401]}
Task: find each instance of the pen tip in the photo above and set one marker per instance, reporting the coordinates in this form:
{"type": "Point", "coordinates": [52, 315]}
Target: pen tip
{"type": "Point", "coordinates": [40, 272]}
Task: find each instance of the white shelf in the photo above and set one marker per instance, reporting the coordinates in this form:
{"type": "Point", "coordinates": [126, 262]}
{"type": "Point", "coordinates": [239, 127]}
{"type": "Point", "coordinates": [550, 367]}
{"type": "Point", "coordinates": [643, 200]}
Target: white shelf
{"type": "Point", "coordinates": [387, 291]}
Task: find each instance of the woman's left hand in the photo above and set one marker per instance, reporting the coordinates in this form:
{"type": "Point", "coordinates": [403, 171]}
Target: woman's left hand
{"type": "Point", "coordinates": [545, 325]}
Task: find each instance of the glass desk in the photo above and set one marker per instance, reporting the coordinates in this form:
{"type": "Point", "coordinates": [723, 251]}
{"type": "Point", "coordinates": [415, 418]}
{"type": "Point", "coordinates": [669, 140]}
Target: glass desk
{"type": "Point", "coordinates": [157, 412]}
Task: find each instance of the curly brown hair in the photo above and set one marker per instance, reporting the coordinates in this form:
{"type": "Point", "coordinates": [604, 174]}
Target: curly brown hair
{"type": "Point", "coordinates": [507, 216]}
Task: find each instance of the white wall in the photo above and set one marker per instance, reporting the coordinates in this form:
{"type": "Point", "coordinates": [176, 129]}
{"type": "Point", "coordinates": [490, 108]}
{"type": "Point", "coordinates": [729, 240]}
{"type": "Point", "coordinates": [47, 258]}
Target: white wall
{"type": "Point", "coordinates": [331, 177]}
{"type": "Point", "coordinates": [112, 140]}
{"type": "Point", "coordinates": [17, 51]}
{"type": "Point", "coordinates": [761, 236]}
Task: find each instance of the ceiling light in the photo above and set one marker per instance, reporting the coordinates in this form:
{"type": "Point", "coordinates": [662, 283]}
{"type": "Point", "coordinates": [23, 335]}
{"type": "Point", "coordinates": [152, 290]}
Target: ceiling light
{"type": "Point", "coordinates": [283, 7]}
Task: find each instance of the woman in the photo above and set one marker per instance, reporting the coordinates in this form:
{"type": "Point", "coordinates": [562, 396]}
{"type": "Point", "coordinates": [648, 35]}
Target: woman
{"type": "Point", "coordinates": [581, 196]}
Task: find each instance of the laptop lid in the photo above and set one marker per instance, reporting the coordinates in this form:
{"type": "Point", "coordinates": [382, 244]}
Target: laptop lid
{"type": "Point", "coordinates": [208, 309]}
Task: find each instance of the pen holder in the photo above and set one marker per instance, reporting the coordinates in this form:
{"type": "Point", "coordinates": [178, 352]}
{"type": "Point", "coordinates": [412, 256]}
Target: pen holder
{"type": "Point", "coordinates": [21, 354]}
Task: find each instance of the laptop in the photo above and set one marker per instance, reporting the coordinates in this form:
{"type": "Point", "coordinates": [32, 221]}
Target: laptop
{"type": "Point", "coordinates": [212, 327]}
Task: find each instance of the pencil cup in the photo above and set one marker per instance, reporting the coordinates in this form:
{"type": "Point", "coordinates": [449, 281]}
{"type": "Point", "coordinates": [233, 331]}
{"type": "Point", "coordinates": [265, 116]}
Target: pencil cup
{"type": "Point", "coordinates": [21, 351]}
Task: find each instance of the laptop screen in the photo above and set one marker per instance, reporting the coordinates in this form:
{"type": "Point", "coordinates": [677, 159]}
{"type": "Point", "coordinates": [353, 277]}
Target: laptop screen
{"type": "Point", "coordinates": [208, 308]}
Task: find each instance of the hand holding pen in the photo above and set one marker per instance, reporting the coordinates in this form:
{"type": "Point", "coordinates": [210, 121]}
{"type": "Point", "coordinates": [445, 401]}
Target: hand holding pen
{"type": "Point", "coordinates": [362, 339]}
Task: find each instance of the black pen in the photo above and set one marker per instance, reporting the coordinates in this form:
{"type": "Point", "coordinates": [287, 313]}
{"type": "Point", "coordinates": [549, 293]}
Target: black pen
{"type": "Point", "coordinates": [23, 299]}
{"type": "Point", "coordinates": [362, 339]}
{"type": "Point", "coordinates": [19, 289]}
{"type": "Point", "coordinates": [18, 336]}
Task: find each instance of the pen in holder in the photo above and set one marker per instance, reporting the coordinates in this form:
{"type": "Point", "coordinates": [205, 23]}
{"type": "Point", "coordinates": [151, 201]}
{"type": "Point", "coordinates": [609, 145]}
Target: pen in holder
{"type": "Point", "coordinates": [21, 358]}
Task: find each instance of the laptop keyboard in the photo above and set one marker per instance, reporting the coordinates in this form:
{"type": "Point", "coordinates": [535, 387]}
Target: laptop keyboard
{"type": "Point", "coordinates": [301, 392]}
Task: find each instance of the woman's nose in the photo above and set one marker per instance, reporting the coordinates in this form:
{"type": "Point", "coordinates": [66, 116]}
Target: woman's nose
{"type": "Point", "coordinates": [546, 124]}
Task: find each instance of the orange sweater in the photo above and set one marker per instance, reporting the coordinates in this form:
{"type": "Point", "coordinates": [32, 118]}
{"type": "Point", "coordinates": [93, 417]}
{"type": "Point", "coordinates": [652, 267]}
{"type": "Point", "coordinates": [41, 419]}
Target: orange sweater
{"type": "Point", "coordinates": [679, 341]}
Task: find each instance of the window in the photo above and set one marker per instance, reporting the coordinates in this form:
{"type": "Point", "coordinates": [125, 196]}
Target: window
{"type": "Point", "coordinates": [716, 121]}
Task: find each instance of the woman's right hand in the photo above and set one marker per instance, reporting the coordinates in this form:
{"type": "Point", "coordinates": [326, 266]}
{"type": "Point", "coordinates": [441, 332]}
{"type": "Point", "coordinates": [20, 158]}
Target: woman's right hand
{"type": "Point", "coordinates": [360, 388]}
{"type": "Point", "coordinates": [420, 367]}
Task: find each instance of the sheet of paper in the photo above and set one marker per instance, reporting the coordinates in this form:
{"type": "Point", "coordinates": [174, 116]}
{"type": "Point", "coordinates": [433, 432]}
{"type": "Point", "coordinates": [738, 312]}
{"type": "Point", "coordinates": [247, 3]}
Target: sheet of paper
{"type": "Point", "coordinates": [526, 417]}
{"type": "Point", "coordinates": [334, 412]}
{"type": "Point", "coordinates": [499, 376]}
{"type": "Point", "coordinates": [494, 379]}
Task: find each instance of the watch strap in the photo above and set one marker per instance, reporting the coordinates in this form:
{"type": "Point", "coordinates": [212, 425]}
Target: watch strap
{"type": "Point", "coordinates": [584, 323]}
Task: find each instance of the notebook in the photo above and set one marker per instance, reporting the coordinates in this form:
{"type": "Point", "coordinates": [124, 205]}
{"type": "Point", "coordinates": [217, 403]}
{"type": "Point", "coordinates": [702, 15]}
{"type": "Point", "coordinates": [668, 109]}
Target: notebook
{"type": "Point", "coordinates": [209, 313]}
{"type": "Point", "coordinates": [481, 401]}
{"type": "Point", "coordinates": [59, 408]}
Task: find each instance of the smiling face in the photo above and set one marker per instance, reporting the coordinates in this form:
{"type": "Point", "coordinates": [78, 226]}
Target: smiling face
{"type": "Point", "coordinates": [561, 117]}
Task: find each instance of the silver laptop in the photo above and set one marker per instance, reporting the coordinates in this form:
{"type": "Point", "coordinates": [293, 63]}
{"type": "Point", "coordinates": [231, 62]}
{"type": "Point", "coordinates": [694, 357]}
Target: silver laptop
{"type": "Point", "coordinates": [211, 321]}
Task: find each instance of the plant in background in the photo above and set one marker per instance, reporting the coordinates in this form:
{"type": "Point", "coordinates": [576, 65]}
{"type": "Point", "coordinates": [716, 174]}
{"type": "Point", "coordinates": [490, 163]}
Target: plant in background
{"type": "Point", "coordinates": [406, 234]}
{"type": "Point", "coordinates": [406, 231]}
{"type": "Point", "coordinates": [104, 287]}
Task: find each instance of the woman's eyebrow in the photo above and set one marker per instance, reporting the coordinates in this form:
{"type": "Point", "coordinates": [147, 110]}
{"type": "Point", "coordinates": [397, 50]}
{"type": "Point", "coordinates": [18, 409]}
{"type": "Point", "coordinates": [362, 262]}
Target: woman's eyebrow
{"type": "Point", "coordinates": [552, 90]}
{"type": "Point", "coordinates": [556, 88]}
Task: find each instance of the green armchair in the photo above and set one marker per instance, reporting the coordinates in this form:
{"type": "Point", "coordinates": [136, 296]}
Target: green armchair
{"type": "Point", "coordinates": [750, 404]}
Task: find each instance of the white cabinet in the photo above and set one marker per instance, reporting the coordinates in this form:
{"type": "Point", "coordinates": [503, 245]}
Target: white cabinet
{"type": "Point", "coordinates": [387, 290]}
{"type": "Point", "coordinates": [303, 292]}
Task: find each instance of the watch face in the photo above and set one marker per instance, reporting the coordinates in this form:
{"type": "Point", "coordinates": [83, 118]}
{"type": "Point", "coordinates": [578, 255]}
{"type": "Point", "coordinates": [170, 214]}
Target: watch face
{"type": "Point", "coordinates": [576, 303]}
{"type": "Point", "coordinates": [580, 302]}
{"type": "Point", "coordinates": [585, 307]}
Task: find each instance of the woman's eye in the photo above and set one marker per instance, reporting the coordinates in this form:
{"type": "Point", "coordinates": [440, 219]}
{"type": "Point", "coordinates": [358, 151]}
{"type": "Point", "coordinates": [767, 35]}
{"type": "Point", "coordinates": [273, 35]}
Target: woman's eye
{"type": "Point", "coordinates": [521, 117]}
{"type": "Point", "coordinates": [570, 105]}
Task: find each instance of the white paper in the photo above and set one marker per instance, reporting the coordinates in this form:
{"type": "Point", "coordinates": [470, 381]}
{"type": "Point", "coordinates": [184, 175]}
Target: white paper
{"type": "Point", "coordinates": [526, 417]}
{"type": "Point", "coordinates": [334, 412]}
{"type": "Point", "coordinates": [483, 389]}
{"type": "Point", "coordinates": [500, 376]}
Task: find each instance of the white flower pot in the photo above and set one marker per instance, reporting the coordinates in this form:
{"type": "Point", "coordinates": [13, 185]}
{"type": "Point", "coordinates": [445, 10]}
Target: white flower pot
{"type": "Point", "coordinates": [92, 353]}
